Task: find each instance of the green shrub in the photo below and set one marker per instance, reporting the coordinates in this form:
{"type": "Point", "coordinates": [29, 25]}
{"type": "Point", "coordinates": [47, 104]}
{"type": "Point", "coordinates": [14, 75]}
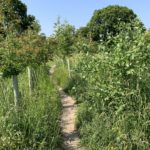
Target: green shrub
{"type": "Point", "coordinates": [114, 89]}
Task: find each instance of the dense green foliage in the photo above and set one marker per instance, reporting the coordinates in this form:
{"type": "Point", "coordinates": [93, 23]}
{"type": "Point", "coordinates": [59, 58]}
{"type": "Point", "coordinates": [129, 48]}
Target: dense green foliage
{"type": "Point", "coordinates": [106, 22]}
{"type": "Point", "coordinates": [18, 52]}
{"type": "Point", "coordinates": [21, 44]}
{"type": "Point", "coordinates": [33, 122]}
{"type": "Point", "coordinates": [61, 42]}
{"type": "Point", "coordinates": [10, 63]}
{"type": "Point", "coordinates": [113, 91]}
{"type": "Point", "coordinates": [13, 17]}
{"type": "Point", "coordinates": [36, 125]}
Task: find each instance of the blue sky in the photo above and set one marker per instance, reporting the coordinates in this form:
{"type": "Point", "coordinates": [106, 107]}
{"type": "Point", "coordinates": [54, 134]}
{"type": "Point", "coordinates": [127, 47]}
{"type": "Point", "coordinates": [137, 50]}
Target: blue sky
{"type": "Point", "coordinates": [79, 12]}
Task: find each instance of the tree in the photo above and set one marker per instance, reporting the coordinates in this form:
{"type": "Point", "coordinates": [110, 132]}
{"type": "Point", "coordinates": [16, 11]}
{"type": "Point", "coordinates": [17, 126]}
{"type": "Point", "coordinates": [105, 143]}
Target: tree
{"type": "Point", "coordinates": [61, 43]}
{"type": "Point", "coordinates": [64, 36]}
{"type": "Point", "coordinates": [34, 51]}
{"type": "Point", "coordinates": [13, 16]}
{"type": "Point", "coordinates": [13, 22]}
{"type": "Point", "coordinates": [106, 21]}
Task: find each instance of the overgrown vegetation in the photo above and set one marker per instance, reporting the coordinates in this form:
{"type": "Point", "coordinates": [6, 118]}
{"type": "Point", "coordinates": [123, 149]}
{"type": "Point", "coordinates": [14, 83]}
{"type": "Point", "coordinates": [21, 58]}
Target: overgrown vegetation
{"type": "Point", "coordinates": [113, 89]}
{"type": "Point", "coordinates": [36, 124]}
{"type": "Point", "coordinates": [30, 105]}
{"type": "Point", "coordinates": [105, 65]}
{"type": "Point", "coordinates": [59, 75]}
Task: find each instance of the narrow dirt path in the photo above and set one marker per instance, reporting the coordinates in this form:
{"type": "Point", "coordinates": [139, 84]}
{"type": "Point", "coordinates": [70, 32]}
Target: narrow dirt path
{"type": "Point", "coordinates": [69, 132]}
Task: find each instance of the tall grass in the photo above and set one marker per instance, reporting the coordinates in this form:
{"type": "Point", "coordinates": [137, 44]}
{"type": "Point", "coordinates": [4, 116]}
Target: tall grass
{"type": "Point", "coordinates": [60, 76]}
{"type": "Point", "coordinates": [36, 124]}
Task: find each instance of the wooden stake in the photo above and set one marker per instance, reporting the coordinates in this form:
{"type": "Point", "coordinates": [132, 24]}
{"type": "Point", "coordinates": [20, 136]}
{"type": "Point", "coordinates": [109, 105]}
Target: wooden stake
{"type": "Point", "coordinates": [31, 84]}
{"type": "Point", "coordinates": [16, 90]}
{"type": "Point", "coordinates": [68, 64]}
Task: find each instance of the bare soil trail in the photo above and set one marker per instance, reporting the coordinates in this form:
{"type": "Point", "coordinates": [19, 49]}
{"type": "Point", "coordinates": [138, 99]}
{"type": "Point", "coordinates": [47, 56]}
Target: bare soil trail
{"type": "Point", "coordinates": [71, 139]}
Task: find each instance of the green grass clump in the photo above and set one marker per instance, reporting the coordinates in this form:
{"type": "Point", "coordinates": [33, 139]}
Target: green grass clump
{"type": "Point", "coordinates": [36, 124]}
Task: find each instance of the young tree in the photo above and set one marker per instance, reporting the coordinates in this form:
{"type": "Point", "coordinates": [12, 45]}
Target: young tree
{"type": "Point", "coordinates": [11, 64]}
{"type": "Point", "coordinates": [64, 36]}
{"type": "Point", "coordinates": [61, 43]}
{"type": "Point", "coordinates": [34, 51]}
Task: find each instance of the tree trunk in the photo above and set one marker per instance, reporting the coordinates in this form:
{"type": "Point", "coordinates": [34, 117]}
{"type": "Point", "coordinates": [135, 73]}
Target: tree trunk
{"type": "Point", "coordinates": [16, 91]}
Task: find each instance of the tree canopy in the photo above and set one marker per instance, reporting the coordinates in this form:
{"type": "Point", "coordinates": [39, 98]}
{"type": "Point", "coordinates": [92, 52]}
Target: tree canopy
{"type": "Point", "coordinates": [63, 39]}
{"type": "Point", "coordinates": [13, 16]}
{"type": "Point", "coordinates": [106, 21]}
{"type": "Point", "coordinates": [21, 44]}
